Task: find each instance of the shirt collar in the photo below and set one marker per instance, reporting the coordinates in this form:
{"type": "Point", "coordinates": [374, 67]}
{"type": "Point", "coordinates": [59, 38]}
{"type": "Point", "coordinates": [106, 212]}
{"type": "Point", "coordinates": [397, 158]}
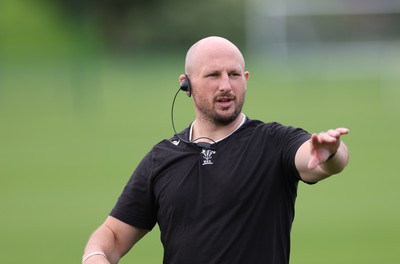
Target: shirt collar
{"type": "Point", "coordinates": [241, 124]}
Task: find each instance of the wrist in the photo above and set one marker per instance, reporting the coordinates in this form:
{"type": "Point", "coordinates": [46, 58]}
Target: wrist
{"type": "Point", "coordinates": [93, 254]}
{"type": "Point", "coordinates": [331, 156]}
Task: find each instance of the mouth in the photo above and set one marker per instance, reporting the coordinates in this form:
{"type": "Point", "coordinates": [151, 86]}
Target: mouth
{"type": "Point", "coordinates": [225, 102]}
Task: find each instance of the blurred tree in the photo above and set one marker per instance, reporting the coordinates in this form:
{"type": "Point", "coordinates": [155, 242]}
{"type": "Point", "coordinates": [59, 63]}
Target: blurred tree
{"type": "Point", "coordinates": [128, 26]}
{"type": "Point", "coordinates": [33, 30]}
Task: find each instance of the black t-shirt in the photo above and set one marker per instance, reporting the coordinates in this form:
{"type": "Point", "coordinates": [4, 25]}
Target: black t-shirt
{"type": "Point", "coordinates": [230, 204]}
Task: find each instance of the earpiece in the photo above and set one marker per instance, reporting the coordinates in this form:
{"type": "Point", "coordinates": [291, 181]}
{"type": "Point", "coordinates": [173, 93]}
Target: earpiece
{"type": "Point", "coordinates": [185, 86]}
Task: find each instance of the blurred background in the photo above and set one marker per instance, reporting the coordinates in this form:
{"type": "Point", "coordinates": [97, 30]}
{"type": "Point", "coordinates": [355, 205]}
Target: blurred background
{"type": "Point", "coordinates": [86, 89]}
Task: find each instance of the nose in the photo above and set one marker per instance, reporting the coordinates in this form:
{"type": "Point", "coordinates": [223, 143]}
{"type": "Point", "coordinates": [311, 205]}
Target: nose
{"type": "Point", "coordinates": [225, 83]}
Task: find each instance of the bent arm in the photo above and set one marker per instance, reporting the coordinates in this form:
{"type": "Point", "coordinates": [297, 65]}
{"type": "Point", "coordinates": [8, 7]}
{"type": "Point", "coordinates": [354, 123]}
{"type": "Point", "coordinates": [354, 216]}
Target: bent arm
{"type": "Point", "coordinates": [322, 156]}
{"type": "Point", "coordinates": [114, 238]}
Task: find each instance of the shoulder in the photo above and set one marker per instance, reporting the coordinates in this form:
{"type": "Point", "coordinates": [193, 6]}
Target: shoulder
{"type": "Point", "coordinates": [175, 144]}
{"type": "Point", "coordinates": [171, 150]}
{"type": "Point", "coordinates": [276, 133]}
{"type": "Point", "coordinates": [271, 128]}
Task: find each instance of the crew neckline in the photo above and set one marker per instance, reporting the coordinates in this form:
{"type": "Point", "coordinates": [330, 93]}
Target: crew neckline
{"type": "Point", "coordinates": [216, 141]}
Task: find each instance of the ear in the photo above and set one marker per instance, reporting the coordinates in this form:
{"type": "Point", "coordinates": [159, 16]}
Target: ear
{"type": "Point", "coordinates": [246, 75]}
{"type": "Point", "coordinates": [185, 84]}
{"type": "Point", "coordinates": [182, 78]}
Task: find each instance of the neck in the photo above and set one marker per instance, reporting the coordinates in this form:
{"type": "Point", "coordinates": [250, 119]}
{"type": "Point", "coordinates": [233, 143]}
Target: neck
{"type": "Point", "coordinates": [203, 130]}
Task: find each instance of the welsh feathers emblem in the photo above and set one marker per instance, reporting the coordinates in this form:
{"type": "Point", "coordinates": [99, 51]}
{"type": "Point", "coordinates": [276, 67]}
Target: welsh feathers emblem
{"type": "Point", "coordinates": [207, 156]}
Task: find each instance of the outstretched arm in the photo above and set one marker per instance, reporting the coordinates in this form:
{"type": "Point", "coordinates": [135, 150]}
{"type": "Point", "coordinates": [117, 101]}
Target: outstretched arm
{"type": "Point", "coordinates": [322, 156]}
{"type": "Point", "coordinates": [111, 241]}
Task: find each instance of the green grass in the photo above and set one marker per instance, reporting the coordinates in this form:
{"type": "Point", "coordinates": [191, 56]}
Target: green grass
{"type": "Point", "coordinates": [73, 132]}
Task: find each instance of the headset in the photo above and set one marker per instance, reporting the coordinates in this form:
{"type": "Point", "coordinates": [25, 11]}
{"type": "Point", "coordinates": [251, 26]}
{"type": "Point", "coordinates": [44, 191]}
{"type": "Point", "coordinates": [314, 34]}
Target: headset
{"type": "Point", "coordinates": [185, 86]}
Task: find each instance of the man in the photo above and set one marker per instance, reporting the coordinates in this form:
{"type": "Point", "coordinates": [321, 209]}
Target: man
{"type": "Point", "coordinates": [230, 199]}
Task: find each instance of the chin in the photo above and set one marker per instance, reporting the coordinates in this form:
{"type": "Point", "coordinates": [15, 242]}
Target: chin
{"type": "Point", "coordinates": [225, 119]}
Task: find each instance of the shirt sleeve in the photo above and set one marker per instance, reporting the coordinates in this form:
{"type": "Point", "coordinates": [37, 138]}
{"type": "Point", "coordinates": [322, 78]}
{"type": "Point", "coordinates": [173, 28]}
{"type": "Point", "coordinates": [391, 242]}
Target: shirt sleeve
{"type": "Point", "coordinates": [291, 138]}
{"type": "Point", "coordinates": [136, 205]}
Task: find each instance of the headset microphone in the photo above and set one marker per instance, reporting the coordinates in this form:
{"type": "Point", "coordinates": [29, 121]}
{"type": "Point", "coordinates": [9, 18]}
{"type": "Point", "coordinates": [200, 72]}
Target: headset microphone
{"type": "Point", "coordinates": [185, 86]}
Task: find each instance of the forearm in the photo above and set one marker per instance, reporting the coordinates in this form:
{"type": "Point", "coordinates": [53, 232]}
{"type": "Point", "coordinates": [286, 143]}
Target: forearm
{"type": "Point", "coordinates": [337, 163]}
{"type": "Point", "coordinates": [325, 168]}
{"type": "Point", "coordinates": [102, 240]}
{"type": "Point", "coordinates": [114, 238]}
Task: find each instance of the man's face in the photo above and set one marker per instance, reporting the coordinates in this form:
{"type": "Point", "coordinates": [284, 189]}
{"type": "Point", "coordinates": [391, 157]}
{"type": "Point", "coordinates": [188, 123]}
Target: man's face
{"type": "Point", "coordinates": [219, 85]}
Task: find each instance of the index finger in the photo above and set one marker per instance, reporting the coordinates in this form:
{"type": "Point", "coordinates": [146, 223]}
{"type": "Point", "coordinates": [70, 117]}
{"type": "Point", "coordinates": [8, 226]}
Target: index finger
{"type": "Point", "coordinates": [342, 130]}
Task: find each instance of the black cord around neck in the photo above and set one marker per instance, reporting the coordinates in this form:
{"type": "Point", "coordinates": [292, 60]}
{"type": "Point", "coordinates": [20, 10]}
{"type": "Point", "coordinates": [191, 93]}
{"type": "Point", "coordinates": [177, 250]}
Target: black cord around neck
{"type": "Point", "coordinates": [203, 145]}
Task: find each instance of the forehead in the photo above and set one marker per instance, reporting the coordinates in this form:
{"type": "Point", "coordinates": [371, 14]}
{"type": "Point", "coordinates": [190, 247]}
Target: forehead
{"type": "Point", "coordinates": [215, 56]}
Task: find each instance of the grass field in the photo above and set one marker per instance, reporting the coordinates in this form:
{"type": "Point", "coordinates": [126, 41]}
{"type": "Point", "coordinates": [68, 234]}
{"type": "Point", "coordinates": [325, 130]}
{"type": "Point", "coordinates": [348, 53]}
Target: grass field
{"type": "Point", "coordinates": [73, 131]}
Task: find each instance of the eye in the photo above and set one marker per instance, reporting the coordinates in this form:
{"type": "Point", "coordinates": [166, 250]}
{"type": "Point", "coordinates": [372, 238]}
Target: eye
{"type": "Point", "coordinates": [213, 74]}
{"type": "Point", "coordinates": [235, 74]}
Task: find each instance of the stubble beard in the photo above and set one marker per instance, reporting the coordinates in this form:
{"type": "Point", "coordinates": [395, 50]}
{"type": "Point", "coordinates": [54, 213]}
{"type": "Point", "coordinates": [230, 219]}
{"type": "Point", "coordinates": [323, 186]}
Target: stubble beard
{"type": "Point", "coordinates": [216, 119]}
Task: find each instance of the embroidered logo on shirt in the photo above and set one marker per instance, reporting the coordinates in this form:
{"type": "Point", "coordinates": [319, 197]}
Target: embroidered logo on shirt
{"type": "Point", "coordinates": [207, 156]}
{"type": "Point", "coordinates": [175, 142]}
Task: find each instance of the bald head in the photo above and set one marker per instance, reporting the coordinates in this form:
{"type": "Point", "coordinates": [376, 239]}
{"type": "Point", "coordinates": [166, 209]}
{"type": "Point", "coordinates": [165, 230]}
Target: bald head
{"type": "Point", "coordinates": [209, 48]}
